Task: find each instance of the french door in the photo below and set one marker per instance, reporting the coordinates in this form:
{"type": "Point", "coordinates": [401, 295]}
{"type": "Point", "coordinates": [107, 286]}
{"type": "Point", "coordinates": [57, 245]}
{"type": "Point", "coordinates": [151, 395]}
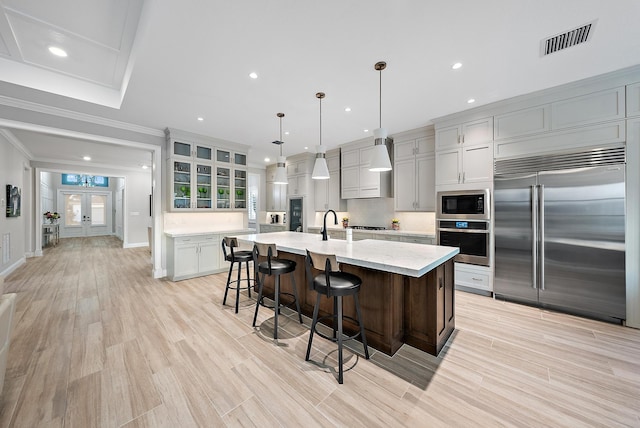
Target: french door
{"type": "Point", "coordinates": [85, 213]}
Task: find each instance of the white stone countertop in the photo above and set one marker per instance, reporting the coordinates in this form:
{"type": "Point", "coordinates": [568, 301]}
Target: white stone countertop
{"type": "Point", "coordinates": [389, 256]}
{"type": "Point", "coordinates": [400, 232]}
{"type": "Point", "coordinates": [190, 231]}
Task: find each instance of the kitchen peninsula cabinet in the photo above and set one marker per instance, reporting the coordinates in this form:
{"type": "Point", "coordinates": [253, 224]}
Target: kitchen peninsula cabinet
{"type": "Point", "coordinates": [414, 174]}
{"type": "Point", "coordinates": [407, 292]}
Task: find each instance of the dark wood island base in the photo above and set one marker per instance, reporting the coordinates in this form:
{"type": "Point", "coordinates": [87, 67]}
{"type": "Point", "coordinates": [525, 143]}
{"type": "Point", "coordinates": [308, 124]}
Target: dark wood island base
{"type": "Point", "coordinates": [396, 308]}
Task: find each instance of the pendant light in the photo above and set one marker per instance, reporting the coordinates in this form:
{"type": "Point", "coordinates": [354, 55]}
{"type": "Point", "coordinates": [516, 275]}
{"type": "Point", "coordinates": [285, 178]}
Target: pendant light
{"type": "Point", "coordinates": [320, 169]}
{"type": "Point", "coordinates": [281, 172]}
{"type": "Point", "coordinates": [380, 161]}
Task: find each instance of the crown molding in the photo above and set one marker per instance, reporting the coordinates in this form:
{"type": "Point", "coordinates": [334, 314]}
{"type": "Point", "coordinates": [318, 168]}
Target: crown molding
{"type": "Point", "coordinates": [83, 117]}
{"type": "Point", "coordinates": [16, 143]}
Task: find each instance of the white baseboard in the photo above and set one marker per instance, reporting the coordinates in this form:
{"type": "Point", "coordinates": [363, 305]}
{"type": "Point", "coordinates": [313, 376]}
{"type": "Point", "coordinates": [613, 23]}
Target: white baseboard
{"type": "Point", "coordinates": [13, 267]}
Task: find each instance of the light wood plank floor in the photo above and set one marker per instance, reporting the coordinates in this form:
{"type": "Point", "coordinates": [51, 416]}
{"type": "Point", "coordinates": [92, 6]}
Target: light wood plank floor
{"type": "Point", "coordinates": [98, 343]}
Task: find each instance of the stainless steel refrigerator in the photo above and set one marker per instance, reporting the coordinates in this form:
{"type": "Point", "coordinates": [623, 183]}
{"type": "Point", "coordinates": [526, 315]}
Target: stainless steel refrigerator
{"type": "Point", "coordinates": [560, 233]}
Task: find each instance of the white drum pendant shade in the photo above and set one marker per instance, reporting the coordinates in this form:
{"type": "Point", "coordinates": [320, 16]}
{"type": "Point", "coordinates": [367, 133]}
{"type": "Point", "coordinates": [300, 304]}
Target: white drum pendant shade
{"type": "Point", "coordinates": [281, 172]}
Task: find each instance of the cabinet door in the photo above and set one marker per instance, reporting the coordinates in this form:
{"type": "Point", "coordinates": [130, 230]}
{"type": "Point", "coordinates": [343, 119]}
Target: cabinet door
{"type": "Point", "coordinates": [223, 187]}
{"type": "Point", "coordinates": [208, 255]}
{"type": "Point", "coordinates": [350, 158]}
{"type": "Point", "coordinates": [321, 194]}
{"type": "Point", "coordinates": [404, 150]}
{"type": "Point", "coordinates": [239, 189]}
{"type": "Point", "coordinates": [185, 259]}
{"type": "Point", "coordinates": [404, 177]}
{"type": "Point", "coordinates": [350, 179]}
{"type": "Point", "coordinates": [448, 137]}
{"type": "Point", "coordinates": [478, 131]}
{"type": "Point", "coordinates": [181, 185]}
{"type": "Point", "coordinates": [203, 187]}
{"type": "Point", "coordinates": [448, 167]}
{"type": "Point", "coordinates": [181, 150]}
{"type": "Point", "coordinates": [426, 183]}
{"type": "Point", "coordinates": [334, 201]}
{"type": "Point", "coordinates": [425, 146]}
{"type": "Point", "coordinates": [270, 196]}
{"type": "Point", "coordinates": [333, 164]}
{"type": "Point", "coordinates": [478, 163]}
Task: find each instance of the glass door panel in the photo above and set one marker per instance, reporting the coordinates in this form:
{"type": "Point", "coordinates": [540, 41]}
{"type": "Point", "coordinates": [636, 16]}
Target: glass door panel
{"type": "Point", "coordinates": [203, 152]}
{"type": "Point", "coordinates": [85, 213]}
{"type": "Point", "coordinates": [223, 156]}
{"type": "Point", "coordinates": [181, 184]}
{"type": "Point", "coordinates": [240, 187]}
{"type": "Point", "coordinates": [181, 149]}
{"type": "Point", "coordinates": [223, 184]}
{"type": "Point", "coordinates": [203, 182]}
{"type": "Point", "coordinates": [239, 159]}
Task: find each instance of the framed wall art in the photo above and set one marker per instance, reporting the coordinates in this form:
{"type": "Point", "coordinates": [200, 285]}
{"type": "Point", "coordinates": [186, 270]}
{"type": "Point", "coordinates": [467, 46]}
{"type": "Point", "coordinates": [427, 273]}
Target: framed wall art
{"type": "Point", "coordinates": [13, 201]}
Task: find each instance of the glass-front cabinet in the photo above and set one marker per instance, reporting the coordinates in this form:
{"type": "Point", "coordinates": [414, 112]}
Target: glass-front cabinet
{"type": "Point", "coordinates": [206, 178]}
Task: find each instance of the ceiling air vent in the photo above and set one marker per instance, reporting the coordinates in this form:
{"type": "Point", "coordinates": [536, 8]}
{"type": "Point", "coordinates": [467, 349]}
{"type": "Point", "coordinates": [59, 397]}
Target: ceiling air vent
{"type": "Point", "coordinates": [567, 39]}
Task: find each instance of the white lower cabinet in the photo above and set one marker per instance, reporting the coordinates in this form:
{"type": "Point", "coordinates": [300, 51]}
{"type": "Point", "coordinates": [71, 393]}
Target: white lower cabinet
{"type": "Point", "coordinates": [192, 256]}
{"type": "Point", "coordinates": [474, 276]}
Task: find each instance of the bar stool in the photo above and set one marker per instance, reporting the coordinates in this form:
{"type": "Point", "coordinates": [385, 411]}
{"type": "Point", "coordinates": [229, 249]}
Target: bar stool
{"type": "Point", "coordinates": [273, 266]}
{"type": "Point", "coordinates": [336, 284]}
{"type": "Point", "coordinates": [235, 257]}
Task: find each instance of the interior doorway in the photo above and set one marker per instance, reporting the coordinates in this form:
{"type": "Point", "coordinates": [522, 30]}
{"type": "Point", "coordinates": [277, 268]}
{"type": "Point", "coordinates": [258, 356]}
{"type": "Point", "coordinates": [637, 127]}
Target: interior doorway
{"type": "Point", "coordinates": [84, 213]}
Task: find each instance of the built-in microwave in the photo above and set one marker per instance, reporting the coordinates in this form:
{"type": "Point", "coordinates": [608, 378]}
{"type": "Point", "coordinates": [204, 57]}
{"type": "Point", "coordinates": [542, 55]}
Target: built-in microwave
{"type": "Point", "coordinates": [464, 205]}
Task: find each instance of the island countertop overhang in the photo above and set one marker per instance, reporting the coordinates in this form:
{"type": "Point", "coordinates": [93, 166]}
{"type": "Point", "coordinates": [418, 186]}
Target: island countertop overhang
{"type": "Point", "coordinates": [402, 258]}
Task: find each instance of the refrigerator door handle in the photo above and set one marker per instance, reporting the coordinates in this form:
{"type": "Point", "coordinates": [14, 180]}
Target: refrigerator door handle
{"type": "Point", "coordinates": [541, 227]}
{"type": "Point", "coordinates": [534, 235]}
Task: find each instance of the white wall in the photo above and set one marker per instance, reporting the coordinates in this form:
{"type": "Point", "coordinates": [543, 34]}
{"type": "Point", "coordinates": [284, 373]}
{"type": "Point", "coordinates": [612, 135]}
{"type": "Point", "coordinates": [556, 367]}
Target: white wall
{"type": "Point", "coordinates": [12, 229]}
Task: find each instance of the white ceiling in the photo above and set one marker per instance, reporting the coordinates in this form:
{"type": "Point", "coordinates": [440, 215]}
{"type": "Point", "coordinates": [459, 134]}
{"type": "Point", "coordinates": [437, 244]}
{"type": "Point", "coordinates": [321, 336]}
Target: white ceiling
{"type": "Point", "coordinates": [192, 58]}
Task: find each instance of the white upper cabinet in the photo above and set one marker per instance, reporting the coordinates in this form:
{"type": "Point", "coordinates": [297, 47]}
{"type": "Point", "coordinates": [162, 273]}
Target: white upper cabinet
{"type": "Point", "coordinates": [633, 100]}
{"type": "Point", "coordinates": [327, 192]}
{"type": "Point", "coordinates": [523, 122]}
{"type": "Point", "coordinates": [356, 179]}
{"type": "Point", "coordinates": [414, 174]}
{"type": "Point", "coordinates": [472, 132]}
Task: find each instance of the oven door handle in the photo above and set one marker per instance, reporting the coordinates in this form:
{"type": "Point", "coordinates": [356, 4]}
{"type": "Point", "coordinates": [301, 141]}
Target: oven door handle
{"type": "Point", "coordinates": [464, 230]}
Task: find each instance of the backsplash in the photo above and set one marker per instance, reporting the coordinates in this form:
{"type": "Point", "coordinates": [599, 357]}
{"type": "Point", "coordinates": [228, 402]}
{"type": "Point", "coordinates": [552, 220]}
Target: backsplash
{"type": "Point", "coordinates": [205, 221]}
{"type": "Point", "coordinates": [380, 212]}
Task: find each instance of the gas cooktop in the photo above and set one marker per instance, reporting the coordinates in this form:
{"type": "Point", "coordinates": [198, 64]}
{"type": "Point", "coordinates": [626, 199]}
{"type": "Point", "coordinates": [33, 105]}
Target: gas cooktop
{"type": "Point", "coordinates": [368, 227]}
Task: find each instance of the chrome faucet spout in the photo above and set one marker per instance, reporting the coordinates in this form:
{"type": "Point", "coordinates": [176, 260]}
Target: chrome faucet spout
{"type": "Point", "coordinates": [324, 223]}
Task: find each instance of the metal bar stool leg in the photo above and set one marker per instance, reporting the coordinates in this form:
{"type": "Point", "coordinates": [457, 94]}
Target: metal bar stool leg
{"type": "Point", "coordinates": [260, 285]}
{"type": "Point", "coordinates": [339, 304]}
{"type": "Point", "coordinates": [248, 280]}
{"type": "Point", "coordinates": [333, 321]}
{"type": "Point", "coordinates": [276, 307]}
{"type": "Point", "coordinates": [238, 285]}
{"type": "Point", "coordinates": [362, 333]}
{"type": "Point", "coordinates": [226, 291]}
{"type": "Point", "coordinates": [314, 321]}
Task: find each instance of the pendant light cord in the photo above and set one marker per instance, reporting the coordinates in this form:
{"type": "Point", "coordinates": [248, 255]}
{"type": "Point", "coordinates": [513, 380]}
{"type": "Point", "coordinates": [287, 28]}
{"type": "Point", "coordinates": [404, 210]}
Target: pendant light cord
{"type": "Point", "coordinates": [280, 137]}
{"type": "Point", "coordinates": [380, 99]}
{"type": "Point", "coordinates": [320, 121]}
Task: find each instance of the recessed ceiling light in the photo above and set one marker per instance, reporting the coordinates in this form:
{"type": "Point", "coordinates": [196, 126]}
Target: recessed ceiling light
{"type": "Point", "coordinates": [200, 119]}
{"type": "Point", "coordinates": [87, 158]}
{"type": "Point", "coordinates": [253, 75]}
{"type": "Point", "coordinates": [471, 101]}
{"type": "Point", "coordinates": [306, 148]}
{"type": "Point", "coordinates": [58, 51]}
{"type": "Point", "coordinates": [366, 130]}
{"type": "Point", "coordinates": [144, 167]}
{"type": "Point", "coordinates": [286, 132]}
{"type": "Point", "coordinates": [457, 65]}
{"type": "Point", "coordinates": [267, 159]}
{"type": "Point", "coordinates": [347, 109]}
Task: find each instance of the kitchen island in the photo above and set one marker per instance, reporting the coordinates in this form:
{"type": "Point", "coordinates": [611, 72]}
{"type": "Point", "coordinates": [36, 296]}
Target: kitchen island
{"type": "Point", "coordinates": [407, 289]}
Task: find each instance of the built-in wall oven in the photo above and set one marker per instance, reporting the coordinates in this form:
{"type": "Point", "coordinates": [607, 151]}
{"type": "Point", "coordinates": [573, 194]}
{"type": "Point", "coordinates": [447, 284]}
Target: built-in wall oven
{"type": "Point", "coordinates": [464, 221]}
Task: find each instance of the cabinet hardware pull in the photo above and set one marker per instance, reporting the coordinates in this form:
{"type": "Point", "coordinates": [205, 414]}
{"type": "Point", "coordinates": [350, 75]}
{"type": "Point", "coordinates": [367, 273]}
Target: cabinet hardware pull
{"type": "Point", "coordinates": [476, 279]}
{"type": "Point", "coordinates": [463, 176]}
{"type": "Point", "coordinates": [458, 177]}
{"type": "Point", "coordinates": [440, 283]}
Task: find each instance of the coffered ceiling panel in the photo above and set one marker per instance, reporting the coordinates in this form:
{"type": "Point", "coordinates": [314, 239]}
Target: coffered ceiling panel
{"type": "Point", "coordinates": [97, 37]}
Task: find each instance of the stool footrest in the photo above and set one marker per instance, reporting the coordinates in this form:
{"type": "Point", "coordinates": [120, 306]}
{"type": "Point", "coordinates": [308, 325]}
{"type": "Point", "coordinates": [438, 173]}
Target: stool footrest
{"type": "Point", "coordinates": [335, 339]}
{"type": "Point", "coordinates": [282, 305]}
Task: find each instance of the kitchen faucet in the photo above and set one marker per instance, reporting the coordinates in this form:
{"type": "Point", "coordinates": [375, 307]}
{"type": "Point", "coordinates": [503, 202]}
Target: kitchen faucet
{"type": "Point", "coordinates": [324, 223]}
